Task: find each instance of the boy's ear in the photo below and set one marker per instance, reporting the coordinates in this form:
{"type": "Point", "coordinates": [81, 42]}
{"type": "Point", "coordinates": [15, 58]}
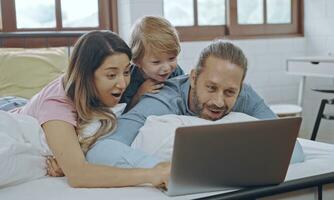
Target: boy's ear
{"type": "Point", "coordinates": [137, 63]}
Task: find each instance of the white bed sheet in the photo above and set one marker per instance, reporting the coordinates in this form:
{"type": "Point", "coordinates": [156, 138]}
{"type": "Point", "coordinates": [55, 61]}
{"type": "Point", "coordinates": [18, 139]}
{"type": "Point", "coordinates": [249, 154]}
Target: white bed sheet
{"type": "Point", "coordinates": [319, 160]}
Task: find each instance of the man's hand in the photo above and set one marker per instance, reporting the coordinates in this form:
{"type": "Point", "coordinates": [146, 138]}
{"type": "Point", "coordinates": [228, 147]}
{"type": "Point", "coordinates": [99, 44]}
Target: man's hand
{"type": "Point", "coordinates": [161, 174]}
{"type": "Point", "coordinates": [150, 86]}
{"type": "Point", "coordinates": [53, 168]}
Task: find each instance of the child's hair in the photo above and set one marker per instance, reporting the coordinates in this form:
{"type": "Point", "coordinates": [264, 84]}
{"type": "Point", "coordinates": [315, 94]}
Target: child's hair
{"type": "Point", "coordinates": [156, 34]}
{"type": "Point", "coordinates": [89, 53]}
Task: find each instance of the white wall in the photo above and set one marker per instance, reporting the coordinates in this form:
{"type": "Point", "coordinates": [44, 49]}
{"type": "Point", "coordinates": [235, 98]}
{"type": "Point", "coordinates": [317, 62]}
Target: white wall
{"type": "Point", "coordinates": [319, 34]}
{"type": "Point", "coordinates": [266, 56]}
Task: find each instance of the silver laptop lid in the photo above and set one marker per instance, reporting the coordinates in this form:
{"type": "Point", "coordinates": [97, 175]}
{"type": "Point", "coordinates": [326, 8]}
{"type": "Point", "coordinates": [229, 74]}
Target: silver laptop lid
{"type": "Point", "coordinates": [210, 157]}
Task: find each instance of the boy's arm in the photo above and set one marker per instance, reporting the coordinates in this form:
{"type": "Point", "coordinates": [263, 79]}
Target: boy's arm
{"type": "Point", "coordinates": [149, 86]}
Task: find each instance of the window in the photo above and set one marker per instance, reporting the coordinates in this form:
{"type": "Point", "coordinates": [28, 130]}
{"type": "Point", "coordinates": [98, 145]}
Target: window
{"type": "Point", "coordinates": [0, 18]}
{"type": "Point", "coordinates": [209, 19]}
{"type": "Point", "coordinates": [40, 14]}
{"type": "Point", "coordinates": [38, 24]}
{"type": "Point", "coordinates": [86, 16]}
{"type": "Point", "coordinates": [58, 15]}
{"type": "Point", "coordinates": [196, 19]}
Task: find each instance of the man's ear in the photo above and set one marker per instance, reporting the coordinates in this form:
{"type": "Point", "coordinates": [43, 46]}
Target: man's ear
{"type": "Point", "coordinates": [241, 84]}
{"type": "Point", "coordinates": [193, 75]}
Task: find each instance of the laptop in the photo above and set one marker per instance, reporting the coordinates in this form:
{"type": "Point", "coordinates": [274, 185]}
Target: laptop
{"type": "Point", "coordinates": [215, 157]}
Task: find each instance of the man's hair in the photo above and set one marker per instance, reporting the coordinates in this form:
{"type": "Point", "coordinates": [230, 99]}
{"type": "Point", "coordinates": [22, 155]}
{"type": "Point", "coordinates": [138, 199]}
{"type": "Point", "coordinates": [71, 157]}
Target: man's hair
{"type": "Point", "coordinates": [156, 34]}
{"type": "Point", "coordinates": [225, 51]}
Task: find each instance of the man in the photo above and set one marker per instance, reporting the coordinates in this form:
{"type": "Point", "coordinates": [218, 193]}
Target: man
{"type": "Point", "coordinates": [213, 89]}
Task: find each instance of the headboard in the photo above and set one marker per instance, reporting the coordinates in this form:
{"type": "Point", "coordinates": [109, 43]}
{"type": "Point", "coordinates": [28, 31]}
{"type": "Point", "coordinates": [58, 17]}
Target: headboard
{"type": "Point", "coordinates": [29, 61]}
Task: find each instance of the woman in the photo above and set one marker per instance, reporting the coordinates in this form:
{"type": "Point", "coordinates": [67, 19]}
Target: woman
{"type": "Point", "coordinates": [98, 74]}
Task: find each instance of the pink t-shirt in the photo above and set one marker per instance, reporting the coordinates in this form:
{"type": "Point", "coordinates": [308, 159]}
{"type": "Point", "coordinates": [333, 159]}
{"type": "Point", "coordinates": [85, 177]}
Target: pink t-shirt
{"type": "Point", "coordinates": [51, 103]}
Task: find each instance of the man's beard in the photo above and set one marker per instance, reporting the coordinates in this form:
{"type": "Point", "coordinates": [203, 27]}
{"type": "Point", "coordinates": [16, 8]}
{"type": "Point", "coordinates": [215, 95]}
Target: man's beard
{"type": "Point", "coordinates": [199, 108]}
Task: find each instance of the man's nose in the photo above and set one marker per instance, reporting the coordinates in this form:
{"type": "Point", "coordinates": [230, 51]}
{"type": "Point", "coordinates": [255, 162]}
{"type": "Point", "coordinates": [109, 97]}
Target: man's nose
{"type": "Point", "coordinates": [219, 100]}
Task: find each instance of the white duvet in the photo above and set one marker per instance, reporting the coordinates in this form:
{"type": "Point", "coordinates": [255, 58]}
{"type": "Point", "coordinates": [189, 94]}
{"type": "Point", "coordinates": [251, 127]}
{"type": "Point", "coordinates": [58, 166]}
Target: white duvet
{"type": "Point", "coordinates": [156, 137]}
{"type": "Point", "coordinates": [22, 149]}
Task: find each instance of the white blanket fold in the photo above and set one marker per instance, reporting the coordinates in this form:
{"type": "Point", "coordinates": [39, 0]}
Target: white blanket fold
{"type": "Point", "coordinates": [22, 151]}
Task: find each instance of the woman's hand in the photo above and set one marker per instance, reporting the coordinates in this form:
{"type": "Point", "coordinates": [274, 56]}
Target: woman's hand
{"type": "Point", "coordinates": [161, 174]}
{"type": "Point", "coordinates": [53, 168]}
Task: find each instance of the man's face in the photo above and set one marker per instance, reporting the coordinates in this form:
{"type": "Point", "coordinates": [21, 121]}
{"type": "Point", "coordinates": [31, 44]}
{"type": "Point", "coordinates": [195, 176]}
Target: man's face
{"type": "Point", "coordinates": [214, 91]}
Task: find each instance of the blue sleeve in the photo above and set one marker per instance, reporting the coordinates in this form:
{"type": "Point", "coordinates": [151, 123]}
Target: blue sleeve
{"type": "Point", "coordinates": [115, 149]}
{"type": "Point", "coordinates": [177, 72]}
{"type": "Point", "coordinates": [117, 154]}
{"type": "Point", "coordinates": [130, 123]}
{"type": "Point", "coordinates": [250, 103]}
{"type": "Point", "coordinates": [297, 154]}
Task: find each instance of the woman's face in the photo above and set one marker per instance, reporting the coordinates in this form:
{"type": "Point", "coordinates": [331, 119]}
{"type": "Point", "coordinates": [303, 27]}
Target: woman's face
{"type": "Point", "coordinates": [112, 78]}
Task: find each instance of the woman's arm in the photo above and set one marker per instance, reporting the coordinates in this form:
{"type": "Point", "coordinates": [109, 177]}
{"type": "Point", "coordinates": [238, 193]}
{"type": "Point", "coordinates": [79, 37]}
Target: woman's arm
{"type": "Point", "coordinates": [63, 141]}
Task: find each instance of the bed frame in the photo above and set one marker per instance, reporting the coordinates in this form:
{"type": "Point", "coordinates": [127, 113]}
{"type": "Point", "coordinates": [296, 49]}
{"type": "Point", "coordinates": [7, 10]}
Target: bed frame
{"type": "Point", "coordinates": [52, 39]}
{"type": "Point", "coordinates": [317, 181]}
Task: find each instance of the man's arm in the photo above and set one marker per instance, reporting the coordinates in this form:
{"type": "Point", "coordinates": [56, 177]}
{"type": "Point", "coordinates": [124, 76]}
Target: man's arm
{"type": "Point", "coordinates": [115, 149]}
{"type": "Point", "coordinates": [249, 102]}
{"type": "Point", "coordinates": [115, 153]}
{"type": "Point", "coordinates": [129, 124]}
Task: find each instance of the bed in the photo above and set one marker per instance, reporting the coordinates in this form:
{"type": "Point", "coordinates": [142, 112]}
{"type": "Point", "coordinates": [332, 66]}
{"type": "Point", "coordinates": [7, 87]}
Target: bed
{"type": "Point", "coordinates": [304, 179]}
{"type": "Point", "coordinates": [313, 179]}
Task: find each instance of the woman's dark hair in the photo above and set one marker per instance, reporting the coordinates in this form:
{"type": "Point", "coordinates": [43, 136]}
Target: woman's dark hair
{"type": "Point", "coordinates": [88, 54]}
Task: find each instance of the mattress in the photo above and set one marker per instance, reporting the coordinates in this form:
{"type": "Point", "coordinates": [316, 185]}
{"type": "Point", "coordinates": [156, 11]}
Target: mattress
{"type": "Point", "coordinates": [319, 159]}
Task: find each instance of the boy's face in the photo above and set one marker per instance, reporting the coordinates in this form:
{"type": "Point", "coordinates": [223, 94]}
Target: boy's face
{"type": "Point", "coordinates": [157, 66]}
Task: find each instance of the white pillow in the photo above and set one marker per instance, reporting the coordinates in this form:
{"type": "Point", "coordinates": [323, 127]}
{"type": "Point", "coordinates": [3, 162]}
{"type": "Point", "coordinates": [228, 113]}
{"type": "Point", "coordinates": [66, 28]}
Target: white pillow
{"type": "Point", "coordinates": [156, 137]}
{"type": "Point", "coordinates": [24, 72]}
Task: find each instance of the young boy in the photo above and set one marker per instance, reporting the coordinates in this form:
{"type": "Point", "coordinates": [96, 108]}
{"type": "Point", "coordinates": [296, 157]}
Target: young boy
{"type": "Point", "coordinates": [155, 46]}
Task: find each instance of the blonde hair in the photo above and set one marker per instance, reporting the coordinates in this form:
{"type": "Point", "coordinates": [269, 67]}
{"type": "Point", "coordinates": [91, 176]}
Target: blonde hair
{"type": "Point", "coordinates": [88, 54]}
{"type": "Point", "coordinates": [156, 34]}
